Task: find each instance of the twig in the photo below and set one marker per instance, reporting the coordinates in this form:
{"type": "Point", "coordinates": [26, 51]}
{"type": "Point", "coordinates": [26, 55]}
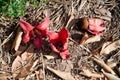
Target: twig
{"type": "Point", "coordinates": [102, 64]}
{"type": "Point", "coordinates": [90, 74]}
{"type": "Point", "coordinates": [110, 76]}
{"type": "Point", "coordinates": [7, 39]}
{"type": "Point", "coordinates": [82, 4]}
{"type": "Point", "coordinates": [43, 67]}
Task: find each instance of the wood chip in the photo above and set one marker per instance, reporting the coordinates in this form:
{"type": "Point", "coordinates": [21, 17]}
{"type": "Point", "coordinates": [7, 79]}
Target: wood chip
{"type": "Point", "coordinates": [17, 40]}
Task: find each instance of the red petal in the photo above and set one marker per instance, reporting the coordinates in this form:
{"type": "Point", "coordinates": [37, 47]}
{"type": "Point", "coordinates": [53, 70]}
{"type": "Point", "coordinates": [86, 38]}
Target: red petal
{"type": "Point", "coordinates": [26, 26]}
{"type": "Point", "coordinates": [63, 35]}
{"type": "Point", "coordinates": [65, 54]}
{"type": "Point", "coordinates": [53, 36]}
{"type": "Point", "coordinates": [44, 25]}
{"type": "Point", "coordinates": [44, 33]}
{"type": "Point", "coordinates": [26, 37]}
{"type": "Point", "coordinates": [96, 25]}
{"type": "Point", "coordinates": [38, 42]}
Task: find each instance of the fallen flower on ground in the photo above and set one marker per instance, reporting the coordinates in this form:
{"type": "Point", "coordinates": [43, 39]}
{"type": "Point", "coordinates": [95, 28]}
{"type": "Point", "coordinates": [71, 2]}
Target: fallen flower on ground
{"type": "Point", "coordinates": [35, 32]}
{"type": "Point", "coordinates": [58, 42]}
{"type": "Point", "coordinates": [93, 25]}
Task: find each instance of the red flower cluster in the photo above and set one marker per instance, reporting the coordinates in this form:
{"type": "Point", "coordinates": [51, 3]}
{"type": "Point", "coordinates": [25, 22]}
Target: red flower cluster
{"type": "Point", "coordinates": [58, 41]}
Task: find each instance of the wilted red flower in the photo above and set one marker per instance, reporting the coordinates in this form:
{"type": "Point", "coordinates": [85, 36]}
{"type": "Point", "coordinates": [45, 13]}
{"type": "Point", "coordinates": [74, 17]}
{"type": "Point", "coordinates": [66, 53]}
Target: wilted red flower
{"type": "Point", "coordinates": [94, 25]}
{"type": "Point", "coordinates": [58, 42]}
{"type": "Point", "coordinates": [27, 29]}
{"type": "Point", "coordinates": [35, 32]}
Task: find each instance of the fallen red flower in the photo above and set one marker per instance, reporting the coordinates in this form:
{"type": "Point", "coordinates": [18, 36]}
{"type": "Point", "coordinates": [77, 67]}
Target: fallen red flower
{"type": "Point", "coordinates": [27, 29]}
{"type": "Point", "coordinates": [35, 32]}
{"type": "Point", "coordinates": [94, 25]}
{"type": "Point", "coordinates": [58, 42]}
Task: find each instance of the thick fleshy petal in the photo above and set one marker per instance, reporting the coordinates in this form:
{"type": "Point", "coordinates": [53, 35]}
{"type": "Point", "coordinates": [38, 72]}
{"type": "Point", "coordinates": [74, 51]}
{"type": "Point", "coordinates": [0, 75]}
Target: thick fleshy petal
{"type": "Point", "coordinates": [53, 36]}
{"type": "Point", "coordinates": [26, 37]}
{"type": "Point", "coordinates": [63, 35]}
{"type": "Point", "coordinates": [44, 25]}
{"type": "Point", "coordinates": [96, 26]}
{"type": "Point", "coordinates": [65, 54]}
{"type": "Point", "coordinates": [44, 33]}
{"type": "Point", "coordinates": [38, 42]}
{"type": "Point", "coordinates": [26, 26]}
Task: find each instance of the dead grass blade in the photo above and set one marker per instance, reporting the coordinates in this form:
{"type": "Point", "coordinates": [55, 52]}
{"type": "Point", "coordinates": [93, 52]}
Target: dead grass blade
{"type": "Point", "coordinates": [63, 75]}
{"type": "Point", "coordinates": [34, 65]}
{"type": "Point", "coordinates": [43, 67]}
{"type": "Point", "coordinates": [103, 64]}
{"type": "Point", "coordinates": [110, 47]}
{"type": "Point", "coordinates": [83, 2]}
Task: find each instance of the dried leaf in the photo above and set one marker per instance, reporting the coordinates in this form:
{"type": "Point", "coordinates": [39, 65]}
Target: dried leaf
{"type": "Point", "coordinates": [87, 73]}
{"type": "Point", "coordinates": [93, 39]}
{"type": "Point", "coordinates": [51, 56]}
{"type": "Point", "coordinates": [22, 64]}
{"type": "Point", "coordinates": [113, 46]}
{"type": "Point", "coordinates": [103, 65]}
{"type": "Point", "coordinates": [17, 40]}
{"type": "Point", "coordinates": [63, 75]}
{"type": "Point", "coordinates": [111, 76]}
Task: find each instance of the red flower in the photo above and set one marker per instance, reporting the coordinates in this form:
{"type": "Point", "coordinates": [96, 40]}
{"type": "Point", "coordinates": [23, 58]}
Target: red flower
{"type": "Point", "coordinates": [94, 25]}
{"type": "Point", "coordinates": [27, 29]}
{"type": "Point", "coordinates": [43, 27]}
{"type": "Point", "coordinates": [36, 32]}
{"type": "Point", "coordinates": [58, 42]}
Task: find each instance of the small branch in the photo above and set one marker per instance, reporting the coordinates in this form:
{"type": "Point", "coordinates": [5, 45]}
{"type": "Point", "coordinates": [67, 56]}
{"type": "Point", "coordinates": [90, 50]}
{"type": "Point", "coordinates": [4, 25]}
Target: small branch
{"type": "Point", "coordinates": [102, 64]}
{"type": "Point", "coordinates": [110, 76]}
{"type": "Point", "coordinates": [90, 74]}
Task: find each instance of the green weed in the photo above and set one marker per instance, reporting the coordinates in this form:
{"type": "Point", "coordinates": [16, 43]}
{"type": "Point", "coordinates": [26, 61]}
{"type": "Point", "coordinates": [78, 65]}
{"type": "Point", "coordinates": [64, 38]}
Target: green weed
{"type": "Point", "coordinates": [16, 8]}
